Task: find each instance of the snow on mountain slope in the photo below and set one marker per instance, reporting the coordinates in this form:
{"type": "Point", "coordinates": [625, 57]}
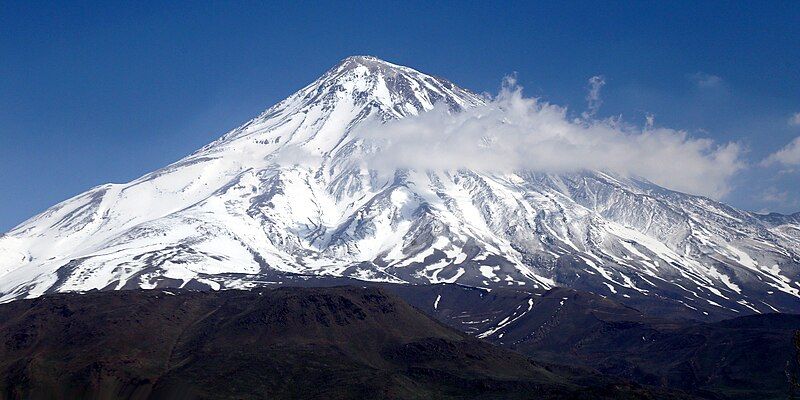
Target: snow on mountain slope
{"type": "Point", "coordinates": [237, 214]}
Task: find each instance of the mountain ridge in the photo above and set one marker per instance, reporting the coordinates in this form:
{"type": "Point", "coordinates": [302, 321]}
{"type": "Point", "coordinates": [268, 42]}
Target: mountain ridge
{"type": "Point", "coordinates": [242, 210]}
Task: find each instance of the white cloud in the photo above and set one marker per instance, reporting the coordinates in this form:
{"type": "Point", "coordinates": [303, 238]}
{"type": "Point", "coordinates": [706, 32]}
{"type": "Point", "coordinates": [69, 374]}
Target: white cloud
{"type": "Point", "coordinates": [789, 155]}
{"type": "Point", "coordinates": [794, 120]}
{"type": "Point", "coordinates": [704, 80]}
{"type": "Point", "coordinates": [593, 99]}
{"type": "Point", "coordinates": [772, 195]}
{"type": "Point", "coordinates": [512, 133]}
{"type": "Point", "coordinates": [650, 120]}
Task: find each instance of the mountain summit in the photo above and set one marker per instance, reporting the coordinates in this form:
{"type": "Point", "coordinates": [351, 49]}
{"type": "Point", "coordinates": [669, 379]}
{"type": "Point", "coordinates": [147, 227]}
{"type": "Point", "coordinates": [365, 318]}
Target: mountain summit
{"type": "Point", "coordinates": [236, 214]}
{"type": "Point", "coordinates": [319, 116]}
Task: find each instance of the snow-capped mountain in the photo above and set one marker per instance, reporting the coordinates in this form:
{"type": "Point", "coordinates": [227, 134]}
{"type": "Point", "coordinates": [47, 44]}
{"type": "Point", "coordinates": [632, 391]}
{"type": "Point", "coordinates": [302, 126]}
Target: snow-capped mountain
{"type": "Point", "coordinates": [237, 214]}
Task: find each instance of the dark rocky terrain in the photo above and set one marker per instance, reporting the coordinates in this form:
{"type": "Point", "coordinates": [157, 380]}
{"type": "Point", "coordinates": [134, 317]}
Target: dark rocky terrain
{"type": "Point", "coordinates": [747, 357]}
{"type": "Point", "coordinates": [289, 342]}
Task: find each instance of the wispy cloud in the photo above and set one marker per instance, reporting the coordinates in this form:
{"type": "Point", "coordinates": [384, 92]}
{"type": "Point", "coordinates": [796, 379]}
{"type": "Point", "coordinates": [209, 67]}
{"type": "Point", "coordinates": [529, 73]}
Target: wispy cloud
{"type": "Point", "coordinates": [512, 133]}
{"type": "Point", "coordinates": [705, 80]}
{"type": "Point", "coordinates": [772, 195]}
{"type": "Point", "coordinates": [593, 99]}
{"type": "Point", "coordinates": [649, 121]}
{"type": "Point", "coordinates": [789, 155]}
{"type": "Point", "coordinates": [794, 120]}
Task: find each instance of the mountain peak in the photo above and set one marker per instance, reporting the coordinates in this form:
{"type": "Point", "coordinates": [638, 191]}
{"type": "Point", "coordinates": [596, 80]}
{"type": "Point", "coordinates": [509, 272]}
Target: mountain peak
{"type": "Point", "coordinates": [400, 91]}
{"type": "Point", "coordinates": [364, 58]}
{"type": "Point", "coordinates": [291, 192]}
{"type": "Point", "coordinates": [371, 68]}
{"type": "Point", "coordinates": [320, 116]}
{"type": "Point", "coordinates": [370, 62]}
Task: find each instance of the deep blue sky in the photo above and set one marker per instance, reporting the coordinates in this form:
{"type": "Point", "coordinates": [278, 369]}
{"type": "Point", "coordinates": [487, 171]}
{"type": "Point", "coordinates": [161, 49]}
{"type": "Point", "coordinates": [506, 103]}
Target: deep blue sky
{"type": "Point", "coordinates": [95, 92]}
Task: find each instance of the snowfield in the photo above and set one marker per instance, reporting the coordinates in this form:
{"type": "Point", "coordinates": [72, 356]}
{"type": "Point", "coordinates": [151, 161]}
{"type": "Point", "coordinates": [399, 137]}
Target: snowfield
{"type": "Point", "coordinates": [288, 193]}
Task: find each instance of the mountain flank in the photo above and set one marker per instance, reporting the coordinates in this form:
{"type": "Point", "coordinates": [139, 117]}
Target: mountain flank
{"type": "Point", "coordinates": [290, 342]}
{"type": "Point", "coordinates": [292, 193]}
{"type": "Point", "coordinates": [747, 357]}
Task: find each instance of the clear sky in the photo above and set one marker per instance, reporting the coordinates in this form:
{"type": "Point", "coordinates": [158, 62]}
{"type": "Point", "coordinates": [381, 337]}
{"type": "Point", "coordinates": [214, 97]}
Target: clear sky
{"type": "Point", "coordinates": [96, 92]}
